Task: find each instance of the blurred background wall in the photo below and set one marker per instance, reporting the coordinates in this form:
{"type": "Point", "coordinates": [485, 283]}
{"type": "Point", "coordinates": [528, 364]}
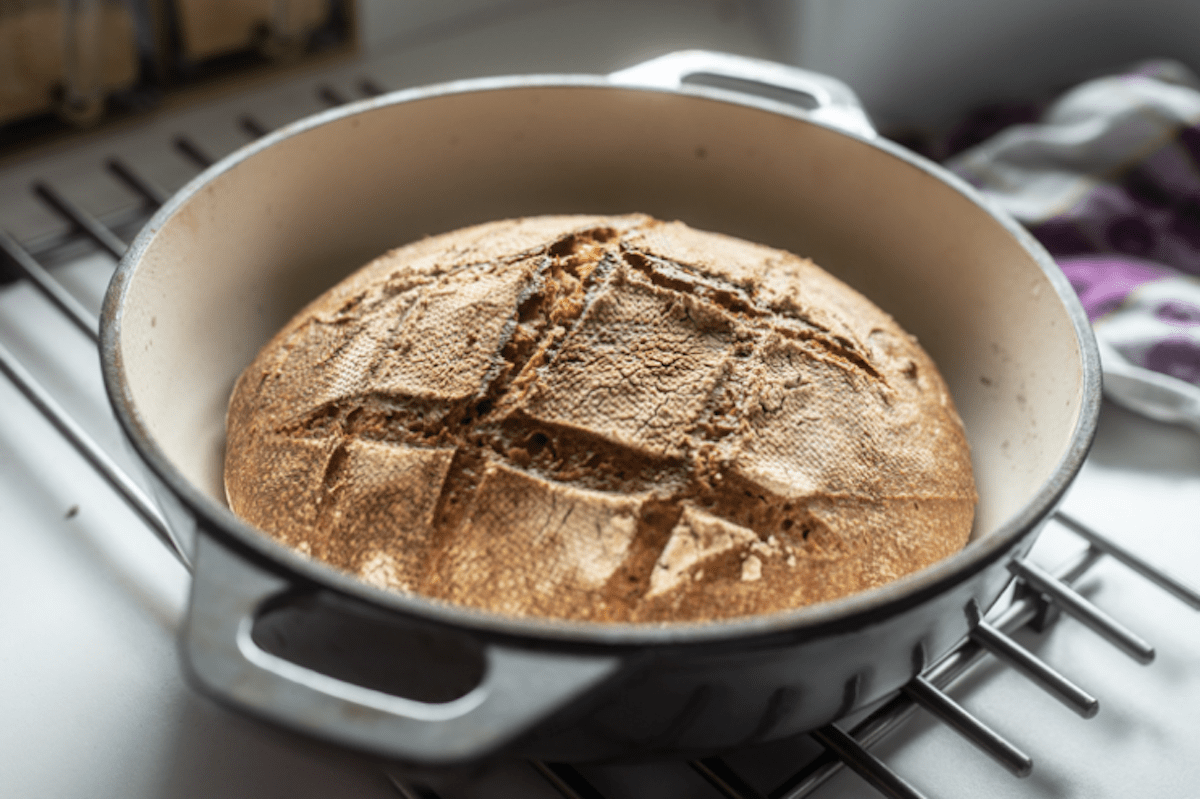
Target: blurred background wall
{"type": "Point", "coordinates": [925, 62]}
{"type": "Point", "coordinates": [917, 64]}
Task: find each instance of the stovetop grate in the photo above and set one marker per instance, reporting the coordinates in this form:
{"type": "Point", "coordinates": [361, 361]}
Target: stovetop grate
{"type": "Point", "coordinates": [1037, 599]}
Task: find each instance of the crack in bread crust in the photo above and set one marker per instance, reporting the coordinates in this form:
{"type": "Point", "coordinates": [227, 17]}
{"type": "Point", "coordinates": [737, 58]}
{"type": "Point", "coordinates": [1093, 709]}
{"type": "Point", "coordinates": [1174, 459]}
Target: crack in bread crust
{"type": "Point", "coordinates": [605, 368]}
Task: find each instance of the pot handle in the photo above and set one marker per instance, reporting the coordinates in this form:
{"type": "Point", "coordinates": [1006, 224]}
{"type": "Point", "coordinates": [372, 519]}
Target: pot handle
{"type": "Point", "coordinates": [832, 101]}
{"type": "Point", "coordinates": [519, 686]}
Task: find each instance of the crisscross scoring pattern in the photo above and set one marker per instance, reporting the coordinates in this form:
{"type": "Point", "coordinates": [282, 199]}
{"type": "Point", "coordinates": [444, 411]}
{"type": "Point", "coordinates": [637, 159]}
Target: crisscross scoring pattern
{"type": "Point", "coordinates": [601, 418]}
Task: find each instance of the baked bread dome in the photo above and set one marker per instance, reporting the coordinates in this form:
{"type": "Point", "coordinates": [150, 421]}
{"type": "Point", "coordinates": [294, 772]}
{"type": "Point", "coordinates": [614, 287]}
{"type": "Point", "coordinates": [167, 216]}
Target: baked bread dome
{"type": "Point", "coordinates": [606, 418]}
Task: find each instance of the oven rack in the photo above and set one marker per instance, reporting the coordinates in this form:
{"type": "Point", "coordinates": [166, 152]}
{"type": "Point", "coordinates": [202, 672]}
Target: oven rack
{"type": "Point", "coordinates": [1037, 599]}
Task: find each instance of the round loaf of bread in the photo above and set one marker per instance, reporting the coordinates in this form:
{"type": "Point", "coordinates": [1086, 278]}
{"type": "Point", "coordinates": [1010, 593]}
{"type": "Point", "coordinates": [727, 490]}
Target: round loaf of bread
{"type": "Point", "coordinates": [601, 418]}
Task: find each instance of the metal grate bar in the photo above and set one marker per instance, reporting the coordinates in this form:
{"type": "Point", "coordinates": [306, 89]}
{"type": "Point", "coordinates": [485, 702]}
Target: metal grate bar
{"type": "Point", "coordinates": [865, 764]}
{"type": "Point", "coordinates": [44, 282]}
{"type": "Point", "coordinates": [1152, 573]}
{"type": "Point", "coordinates": [566, 780]}
{"type": "Point", "coordinates": [954, 715]}
{"type": "Point", "coordinates": [370, 88]}
{"type": "Point", "coordinates": [253, 128]}
{"type": "Point", "coordinates": [87, 223]}
{"type": "Point", "coordinates": [1036, 669]}
{"type": "Point", "coordinates": [727, 781]}
{"type": "Point", "coordinates": [1073, 603]}
{"type": "Point", "coordinates": [64, 245]}
{"type": "Point", "coordinates": [331, 96]}
{"type": "Point", "coordinates": [92, 452]}
{"type": "Point", "coordinates": [410, 791]}
{"type": "Point", "coordinates": [192, 152]}
{"type": "Point", "coordinates": [150, 193]}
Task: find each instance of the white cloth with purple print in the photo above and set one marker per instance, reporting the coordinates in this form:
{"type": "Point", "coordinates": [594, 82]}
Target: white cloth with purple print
{"type": "Point", "coordinates": [1109, 181]}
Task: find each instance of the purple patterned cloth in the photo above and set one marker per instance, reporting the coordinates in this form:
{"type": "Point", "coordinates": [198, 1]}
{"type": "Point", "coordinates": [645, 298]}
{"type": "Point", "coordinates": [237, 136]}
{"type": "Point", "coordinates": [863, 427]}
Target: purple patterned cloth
{"type": "Point", "coordinates": [1151, 210]}
{"type": "Point", "coordinates": [1103, 283]}
{"type": "Point", "coordinates": [1145, 310]}
{"type": "Point", "coordinates": [1108, 179]}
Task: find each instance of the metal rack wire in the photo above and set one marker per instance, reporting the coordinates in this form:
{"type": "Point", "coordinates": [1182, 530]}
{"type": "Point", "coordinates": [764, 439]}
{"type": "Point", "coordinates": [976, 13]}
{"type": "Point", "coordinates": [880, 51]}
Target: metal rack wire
{"type": "Point", "coordinates": [1038, 597]}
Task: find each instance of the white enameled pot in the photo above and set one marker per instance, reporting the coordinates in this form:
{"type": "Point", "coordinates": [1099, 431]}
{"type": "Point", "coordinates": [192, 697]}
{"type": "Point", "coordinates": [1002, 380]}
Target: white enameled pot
{"type": "Point", "coordinates": [234, 254]}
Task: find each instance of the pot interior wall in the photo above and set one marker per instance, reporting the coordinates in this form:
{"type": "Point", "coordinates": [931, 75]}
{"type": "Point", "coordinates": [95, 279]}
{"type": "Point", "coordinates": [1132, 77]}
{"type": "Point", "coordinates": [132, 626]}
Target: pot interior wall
{"type": "Point", "coordinates": [260, 239]}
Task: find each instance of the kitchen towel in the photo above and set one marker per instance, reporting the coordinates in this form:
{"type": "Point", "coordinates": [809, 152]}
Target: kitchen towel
{"type": "Point", "coordinates": [1108, 179]}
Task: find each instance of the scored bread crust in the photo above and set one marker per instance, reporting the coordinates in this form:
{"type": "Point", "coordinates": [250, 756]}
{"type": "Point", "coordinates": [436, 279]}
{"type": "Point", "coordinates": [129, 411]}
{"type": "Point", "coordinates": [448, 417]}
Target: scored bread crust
{"type": "Point", "coordinates": [604, 418]}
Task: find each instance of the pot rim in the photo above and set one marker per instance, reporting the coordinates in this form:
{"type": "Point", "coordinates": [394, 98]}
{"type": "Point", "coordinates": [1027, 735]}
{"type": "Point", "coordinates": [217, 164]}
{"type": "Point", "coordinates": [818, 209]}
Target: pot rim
{"type": "Point", "coordinates": [851, 612]}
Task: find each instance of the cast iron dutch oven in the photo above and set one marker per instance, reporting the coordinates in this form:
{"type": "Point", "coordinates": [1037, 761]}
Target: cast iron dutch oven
{"type": "Point", "coordinates": [246, 244]}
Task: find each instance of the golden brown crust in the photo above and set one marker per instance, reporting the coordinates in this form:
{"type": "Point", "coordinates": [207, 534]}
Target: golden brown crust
{"type": "Point", "coordinates": [601, 418]}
